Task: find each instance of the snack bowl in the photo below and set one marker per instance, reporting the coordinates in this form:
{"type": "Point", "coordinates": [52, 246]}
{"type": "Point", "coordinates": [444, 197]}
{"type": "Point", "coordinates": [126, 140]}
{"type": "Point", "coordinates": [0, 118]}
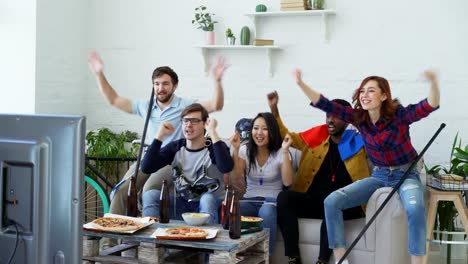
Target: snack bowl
{"type": "Point", "coordinates": [251, 221]}
{"type": "Point", "coordinates": [195, 219]}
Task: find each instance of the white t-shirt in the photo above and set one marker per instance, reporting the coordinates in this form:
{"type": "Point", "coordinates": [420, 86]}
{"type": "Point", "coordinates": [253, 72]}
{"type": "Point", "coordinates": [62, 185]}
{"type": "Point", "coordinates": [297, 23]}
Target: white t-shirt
{"type": "Point", "coordinates": [264, 181]}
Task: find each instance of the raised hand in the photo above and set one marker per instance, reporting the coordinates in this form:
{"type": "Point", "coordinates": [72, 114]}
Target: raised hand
{"type": "Point", "coordinates": [430, 75]}
{"type": "Point", "coordinates": [273, 99]}
{"type": "Point", "coordinates": [235, 141]}
{"type": "Point", "coordinates": [217, 71]}
{"type": "Point", "coordinates": [297, 74]}
{"type": "Point", "coordinates": [96, 65]}
{"type": "Point", "coordinates": [434, 94]}
{"type": "Point", "coordinates": [211, 124]}
{"type": "Point", "coordinates": [165, 129]}
{"type": "Point", "coordinates": [287, 141]}
{"type": "Point", "coordinates": [313, 95]}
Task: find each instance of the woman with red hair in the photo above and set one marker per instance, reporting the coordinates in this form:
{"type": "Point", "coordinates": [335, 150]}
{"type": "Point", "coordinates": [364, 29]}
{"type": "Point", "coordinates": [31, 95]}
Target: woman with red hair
{"type": "Point", "coordinates": [384, 125]}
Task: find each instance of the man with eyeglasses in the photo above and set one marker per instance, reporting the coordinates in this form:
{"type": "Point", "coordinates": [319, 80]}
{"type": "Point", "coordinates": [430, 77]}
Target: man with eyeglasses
{"type": "Point", "coordinates": [167, 108]}
{"type": "Point", "coordinates": [191, 158]}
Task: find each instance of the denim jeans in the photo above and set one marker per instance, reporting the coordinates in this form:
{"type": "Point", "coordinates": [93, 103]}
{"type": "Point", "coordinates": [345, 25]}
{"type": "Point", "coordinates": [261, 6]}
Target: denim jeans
{"type": "Point", "coordinates": [208, 204]}
{"type": "Point", "coordinates": [265, 210]}
{"type": "Point", "coordinates": [359, 192]}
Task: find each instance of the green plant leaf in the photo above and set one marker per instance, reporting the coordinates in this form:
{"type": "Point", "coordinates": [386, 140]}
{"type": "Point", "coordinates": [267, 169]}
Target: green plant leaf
{"type": "Point", "coordinates": [461, 154]}
{"type": "Point", "coordinates": [454, 144]}
{"type": "Point", "coordinates": [465, 170]}
{"type": "Point", "coordinates": [203, 19]}
{"type": "Point", "coordinates": [433, 170]}
{"type": "Point", "coordinates": [105, 143]}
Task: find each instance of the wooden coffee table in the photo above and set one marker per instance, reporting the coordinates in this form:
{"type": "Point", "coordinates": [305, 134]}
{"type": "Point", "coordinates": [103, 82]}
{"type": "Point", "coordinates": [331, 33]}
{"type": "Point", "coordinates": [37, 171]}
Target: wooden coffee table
{"type": "Point", "coordinates": [250, 248]}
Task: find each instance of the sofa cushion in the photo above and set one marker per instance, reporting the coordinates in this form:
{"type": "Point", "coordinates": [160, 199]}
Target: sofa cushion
{"type": "Point", "coordinates": [309, 231]}
{"type": "Point", "coordinates": [385, 244]}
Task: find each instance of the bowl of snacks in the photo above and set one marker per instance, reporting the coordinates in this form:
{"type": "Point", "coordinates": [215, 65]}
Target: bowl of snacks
{"type": "Point", "coordinates": [250, 222]}
{"type": "Point", "coordinates": [195, 219]}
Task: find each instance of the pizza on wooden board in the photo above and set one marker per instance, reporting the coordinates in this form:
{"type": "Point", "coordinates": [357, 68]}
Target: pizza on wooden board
{"type": "Point", "coordinates": [116, 224]}
{"type": "Point", "coordinates": [184, 233]}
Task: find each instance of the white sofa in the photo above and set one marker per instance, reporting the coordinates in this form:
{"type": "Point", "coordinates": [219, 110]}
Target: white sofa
{"type": "Point", "coordinates": [385, 242]}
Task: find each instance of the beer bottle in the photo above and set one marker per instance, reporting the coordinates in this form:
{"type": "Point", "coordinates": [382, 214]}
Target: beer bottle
{"type": "Point", "coordinates": [132, 200]}
{"type": "Point", "coordinates": [234, 217]}
{"type": "Point", "coordinates": [226, 208]}
{"type": "Point", "coordinates": [164, 204]}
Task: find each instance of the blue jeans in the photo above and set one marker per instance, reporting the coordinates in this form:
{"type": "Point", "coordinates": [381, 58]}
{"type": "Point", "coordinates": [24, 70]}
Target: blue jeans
{"type": "Point", "coordinates": [359, 192]}
{"type": "Point", "coordinates": [265, 210]}
{"type": "Point", "coordinates": [208, 204]}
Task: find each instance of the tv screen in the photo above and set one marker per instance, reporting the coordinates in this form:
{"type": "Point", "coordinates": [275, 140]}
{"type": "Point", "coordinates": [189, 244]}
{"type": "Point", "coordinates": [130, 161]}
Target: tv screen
{"type": "Point", "coordinates": [41, 187]}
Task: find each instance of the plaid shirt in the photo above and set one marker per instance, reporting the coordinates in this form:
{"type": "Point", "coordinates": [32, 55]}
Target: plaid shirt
{"type": "Point", "coordinates": [386, 144]}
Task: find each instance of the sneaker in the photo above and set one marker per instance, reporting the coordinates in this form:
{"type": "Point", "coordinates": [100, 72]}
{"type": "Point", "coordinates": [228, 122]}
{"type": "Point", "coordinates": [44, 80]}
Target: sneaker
{"type": "Point", "coordinates": [294, 260]}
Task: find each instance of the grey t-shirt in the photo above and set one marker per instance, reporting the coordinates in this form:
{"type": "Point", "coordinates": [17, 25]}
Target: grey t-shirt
{"type": "Point", "coordinates": [265, 181]}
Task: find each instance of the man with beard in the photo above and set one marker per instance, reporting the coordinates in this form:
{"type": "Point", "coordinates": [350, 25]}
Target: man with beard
{"type": "Point", "coordinates": [332, 157]}
{"type": "Point", "coordinates": [167, 108]}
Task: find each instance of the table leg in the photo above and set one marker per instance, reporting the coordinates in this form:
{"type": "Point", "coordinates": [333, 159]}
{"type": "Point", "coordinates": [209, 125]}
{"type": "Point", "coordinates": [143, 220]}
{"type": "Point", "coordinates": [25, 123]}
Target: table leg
{"type": "Point", "coordinates": [222, 257]}
{"type": "Point", "coordinates": [150, 253]}
{"type": "Point", "coordinates": [462, 211]}
{"type": "Point", "coordinates": [260, 249]}
{"type": "Point", "coordinates": [90, 248]}
{"type": "Point", "coordinates": [430, 221]}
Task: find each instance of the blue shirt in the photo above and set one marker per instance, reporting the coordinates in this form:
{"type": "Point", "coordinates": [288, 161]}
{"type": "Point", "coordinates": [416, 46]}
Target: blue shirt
{"type": "Point", "coordinates": [170, 114]}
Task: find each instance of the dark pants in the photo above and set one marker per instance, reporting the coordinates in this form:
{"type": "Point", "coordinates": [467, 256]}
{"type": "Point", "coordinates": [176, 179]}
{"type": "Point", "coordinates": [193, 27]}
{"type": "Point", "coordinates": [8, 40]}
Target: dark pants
{"type": "Point", "coordinates": [293, 205]}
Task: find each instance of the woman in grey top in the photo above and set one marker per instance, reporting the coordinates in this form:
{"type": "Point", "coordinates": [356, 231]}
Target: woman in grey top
{"type": "Point", "coordinates": [265, 164]}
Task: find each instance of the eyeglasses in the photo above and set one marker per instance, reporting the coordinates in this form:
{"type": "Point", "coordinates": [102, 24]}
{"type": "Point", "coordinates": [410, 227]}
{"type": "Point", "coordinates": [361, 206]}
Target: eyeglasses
{"type": "Point", "coordinates": [192, 121]}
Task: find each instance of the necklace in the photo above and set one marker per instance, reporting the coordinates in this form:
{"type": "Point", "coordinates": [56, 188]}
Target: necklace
{"type": "Point", "coordinates": [261, 169]}
{"type": "Point", "coordinates": [331, 158]}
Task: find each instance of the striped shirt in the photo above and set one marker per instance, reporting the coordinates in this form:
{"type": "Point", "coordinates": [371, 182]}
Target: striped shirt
{"type": "Point", "coordinates": [387, 143]}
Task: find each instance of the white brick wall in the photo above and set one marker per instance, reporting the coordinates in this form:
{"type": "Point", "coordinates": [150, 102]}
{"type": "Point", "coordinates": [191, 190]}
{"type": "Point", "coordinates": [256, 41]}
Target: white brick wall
{"type": "Point", "coordinates": [395, 39]}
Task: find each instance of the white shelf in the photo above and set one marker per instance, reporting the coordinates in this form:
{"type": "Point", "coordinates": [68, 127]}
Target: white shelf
{"type": "Point", "coordinates": [293, 13]}
{"type": "Point", "coordinates": [323, 13]}
{"type": "Point", "coordinates": [267, 49]}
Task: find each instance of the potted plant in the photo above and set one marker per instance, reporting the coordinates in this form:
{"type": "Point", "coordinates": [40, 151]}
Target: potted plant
{"type": "Point", "coordinates": [203, 20]}
{"type": "Point", "coordinates": [446, 212]}
{"type": "Point", "coordinates": [230, 38]}
{"type": "Point", "coordinates": [103, 143]}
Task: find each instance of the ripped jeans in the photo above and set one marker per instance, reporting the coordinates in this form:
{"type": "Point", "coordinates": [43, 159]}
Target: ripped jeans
{"type": "Point", "coordinates": [412, 197]}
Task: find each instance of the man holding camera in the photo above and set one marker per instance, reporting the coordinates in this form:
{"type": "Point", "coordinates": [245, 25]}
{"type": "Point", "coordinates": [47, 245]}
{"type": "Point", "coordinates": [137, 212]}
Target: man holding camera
{"type": "Point", "coordinates": [190, 159]}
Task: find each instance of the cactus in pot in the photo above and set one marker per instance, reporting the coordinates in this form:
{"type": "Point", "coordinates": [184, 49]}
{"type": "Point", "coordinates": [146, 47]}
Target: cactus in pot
{"type": "Point", "coordinates": [260, 8]}
{"type": "Point", "coordinates": [245, 36]}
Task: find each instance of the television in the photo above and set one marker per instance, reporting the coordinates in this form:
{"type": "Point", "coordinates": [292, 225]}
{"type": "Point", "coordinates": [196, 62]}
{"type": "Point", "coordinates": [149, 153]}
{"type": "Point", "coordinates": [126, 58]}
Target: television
{"type": "Point", "coordinates": [41, 187]}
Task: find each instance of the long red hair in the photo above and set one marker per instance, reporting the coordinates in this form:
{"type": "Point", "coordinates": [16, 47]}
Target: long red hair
{"type": "Point", "coordinates": [388, 108]}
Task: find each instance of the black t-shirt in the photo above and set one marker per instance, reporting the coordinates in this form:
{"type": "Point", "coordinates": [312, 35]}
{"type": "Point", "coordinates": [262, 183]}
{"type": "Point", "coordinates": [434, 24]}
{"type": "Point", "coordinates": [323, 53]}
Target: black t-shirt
{"type": "Point", "coordinates": [332, 175]}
